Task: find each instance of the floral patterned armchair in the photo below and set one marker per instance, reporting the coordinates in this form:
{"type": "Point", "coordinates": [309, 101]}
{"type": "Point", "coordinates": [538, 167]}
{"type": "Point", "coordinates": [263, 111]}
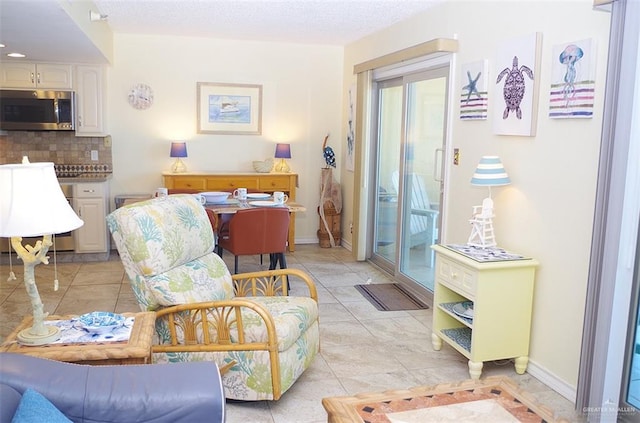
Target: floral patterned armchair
{"type": "Point", "coordinates": [261, 337]}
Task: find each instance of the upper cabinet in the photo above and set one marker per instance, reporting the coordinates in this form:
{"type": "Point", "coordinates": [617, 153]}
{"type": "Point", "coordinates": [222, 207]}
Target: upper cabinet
{"type": "Point", "coordinates": [36, 75]}
{"type": "Point", "coordinates": [90, 100]}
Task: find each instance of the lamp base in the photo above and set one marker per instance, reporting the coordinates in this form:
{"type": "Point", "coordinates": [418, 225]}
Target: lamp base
{"type": "Point", "coordinates": [482, 234]}
{"type": "Point", "coordinates": [25, 337]}
{"type": "Point", "coordinates": [178, 166]}
{"type": "Point", "coordinates": [282, 167]}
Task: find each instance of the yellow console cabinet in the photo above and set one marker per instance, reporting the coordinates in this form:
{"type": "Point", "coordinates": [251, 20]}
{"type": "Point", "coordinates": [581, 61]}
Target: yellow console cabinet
{"type": "Point", "coordinates": [263, 182]}
{"type": "Point", "coordinates": [502, 296]}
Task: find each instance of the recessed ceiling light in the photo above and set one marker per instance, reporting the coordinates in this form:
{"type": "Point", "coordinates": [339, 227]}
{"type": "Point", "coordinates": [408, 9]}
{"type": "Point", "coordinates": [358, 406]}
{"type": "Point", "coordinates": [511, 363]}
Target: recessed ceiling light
{"type": "Point", "coordinates": [16, 55]}
{"type": "Point", "coordinates": [2, 45]}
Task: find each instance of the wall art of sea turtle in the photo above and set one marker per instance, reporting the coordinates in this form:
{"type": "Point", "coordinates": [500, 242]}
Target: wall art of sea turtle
{"type": "Point", "coordinates": [513, 91]}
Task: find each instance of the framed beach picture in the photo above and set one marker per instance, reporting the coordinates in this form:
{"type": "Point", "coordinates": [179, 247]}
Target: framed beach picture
{"type": "Point", "coordinates": [229, 108]}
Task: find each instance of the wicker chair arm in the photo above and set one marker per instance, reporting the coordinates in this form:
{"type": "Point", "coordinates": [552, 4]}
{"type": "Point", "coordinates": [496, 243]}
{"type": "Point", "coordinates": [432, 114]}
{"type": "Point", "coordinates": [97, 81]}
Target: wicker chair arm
{"type": "Point", "coordinates": [198, 321]}
{"type": "Point", "coordinates": [271, 283]}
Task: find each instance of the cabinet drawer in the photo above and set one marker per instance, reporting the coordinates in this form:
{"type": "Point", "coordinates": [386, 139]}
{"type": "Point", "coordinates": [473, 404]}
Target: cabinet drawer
{"type": "Point", "coordinates": [189, 183]}
{"type": "Point", "coordinates": [87, 190]}
{"type": "Point", "coordinates": [456, 276]}
{"type": "Point", "coordinates": [226, 184]}
{"type": "Point", "coordinates": [274, 183]}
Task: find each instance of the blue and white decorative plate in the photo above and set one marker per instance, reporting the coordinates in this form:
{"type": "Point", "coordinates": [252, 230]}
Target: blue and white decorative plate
{"type": "Point", "coordinates": [100, 322]}
{"type": "Point", "coordinates": [464, 309]}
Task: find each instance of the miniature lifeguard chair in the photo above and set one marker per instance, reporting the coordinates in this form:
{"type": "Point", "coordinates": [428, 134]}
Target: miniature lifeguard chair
{"type": "Point", "coordinates": [482, 234]}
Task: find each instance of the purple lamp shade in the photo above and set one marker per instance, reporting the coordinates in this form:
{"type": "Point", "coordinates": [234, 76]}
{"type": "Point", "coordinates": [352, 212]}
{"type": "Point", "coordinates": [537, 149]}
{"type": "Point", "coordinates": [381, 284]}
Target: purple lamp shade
{"type": "Point", "coordinates": [178, 149]}
{"type": "Point", "coordinates": [283, 151]}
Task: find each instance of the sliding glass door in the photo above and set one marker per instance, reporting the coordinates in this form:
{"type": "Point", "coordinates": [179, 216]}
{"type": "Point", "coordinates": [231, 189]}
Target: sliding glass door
{"type": "Point", "coordinates": [411, 122]}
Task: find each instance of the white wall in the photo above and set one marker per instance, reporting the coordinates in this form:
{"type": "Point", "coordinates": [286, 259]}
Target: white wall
{"type": "Point", "coordinates": [302, 89]}
{"type": "Point", "coordinates": [547, 211]}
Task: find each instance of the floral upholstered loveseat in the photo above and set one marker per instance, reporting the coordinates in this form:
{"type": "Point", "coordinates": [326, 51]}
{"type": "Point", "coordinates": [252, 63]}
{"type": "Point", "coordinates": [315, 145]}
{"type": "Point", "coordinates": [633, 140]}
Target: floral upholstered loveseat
{"type": "Point", "coordinates": [260, 336]}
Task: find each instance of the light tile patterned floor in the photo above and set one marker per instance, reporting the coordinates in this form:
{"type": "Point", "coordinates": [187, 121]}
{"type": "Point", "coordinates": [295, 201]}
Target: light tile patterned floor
{"type": "Point", "coordinates": [362, 349]}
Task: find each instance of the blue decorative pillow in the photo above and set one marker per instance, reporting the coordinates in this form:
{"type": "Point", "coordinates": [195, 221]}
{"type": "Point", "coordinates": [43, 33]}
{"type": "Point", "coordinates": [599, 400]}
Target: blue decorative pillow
{"type": "Point", "coordinates": [34, 408]}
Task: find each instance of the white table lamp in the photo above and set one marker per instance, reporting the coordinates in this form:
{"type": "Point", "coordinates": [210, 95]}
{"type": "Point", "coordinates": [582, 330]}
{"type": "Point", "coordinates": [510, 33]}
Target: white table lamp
{"type": "Point", "coordinates": [489, 173]}
{"type": "Point", "coordinates": [33, 204]}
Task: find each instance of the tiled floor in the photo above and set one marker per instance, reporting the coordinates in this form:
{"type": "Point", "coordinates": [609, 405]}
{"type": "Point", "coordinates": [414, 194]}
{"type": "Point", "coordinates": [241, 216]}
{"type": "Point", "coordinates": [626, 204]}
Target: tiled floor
{"type": "Point", "coordinates": [362, 349]}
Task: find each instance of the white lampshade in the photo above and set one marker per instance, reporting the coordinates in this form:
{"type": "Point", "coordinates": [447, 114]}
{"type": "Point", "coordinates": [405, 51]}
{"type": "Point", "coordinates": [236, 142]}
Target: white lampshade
{"type": "Point", "coordinates": [32, 202]}
{"type": "Point", "coordinates": [490, 173]}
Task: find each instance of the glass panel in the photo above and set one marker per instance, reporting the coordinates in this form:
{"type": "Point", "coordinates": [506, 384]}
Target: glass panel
{"type": "Point", "coordinates": [633, 386]}
{"type": "Point", "coordinates": [426, 108]}
{"type": "Point", "coordinates": [632, 359]}
{"type": "Point", "coordinates": [389, 139]}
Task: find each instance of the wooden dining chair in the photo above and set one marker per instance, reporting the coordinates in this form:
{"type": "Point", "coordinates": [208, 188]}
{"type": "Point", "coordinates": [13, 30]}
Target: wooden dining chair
{"type": "Point", "coordinates": [260, 230]}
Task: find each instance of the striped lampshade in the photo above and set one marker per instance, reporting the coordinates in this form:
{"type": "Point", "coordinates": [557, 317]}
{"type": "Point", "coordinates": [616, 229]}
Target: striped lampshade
{"type": "Point", "coordinates": [490, 173]}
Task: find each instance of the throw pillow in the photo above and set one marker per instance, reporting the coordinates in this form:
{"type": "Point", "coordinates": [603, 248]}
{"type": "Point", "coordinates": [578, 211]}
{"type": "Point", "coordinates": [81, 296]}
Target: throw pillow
{"type": "Point", "coordinates": [34, 408]}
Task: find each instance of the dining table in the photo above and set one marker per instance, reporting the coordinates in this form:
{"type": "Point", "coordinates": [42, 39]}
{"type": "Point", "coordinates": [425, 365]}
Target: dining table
{"type": "Point", "coordinates": [232, 205]}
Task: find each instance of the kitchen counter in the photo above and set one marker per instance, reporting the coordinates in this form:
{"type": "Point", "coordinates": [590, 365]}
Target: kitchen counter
{"type": "Point", "coordinates": [85, 177]}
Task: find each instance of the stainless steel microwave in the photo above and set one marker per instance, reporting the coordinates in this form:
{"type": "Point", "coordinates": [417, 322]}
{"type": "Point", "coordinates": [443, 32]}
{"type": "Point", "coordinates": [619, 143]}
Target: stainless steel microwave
{"type": "Point", "coordinates": [37, 110]}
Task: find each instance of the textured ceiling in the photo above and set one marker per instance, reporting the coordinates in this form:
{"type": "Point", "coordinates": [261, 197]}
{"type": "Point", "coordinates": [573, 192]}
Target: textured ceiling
{"type": "Point", "coordinates": [45, 32]}
{"type": "Point", "coordinates": [301, 21]}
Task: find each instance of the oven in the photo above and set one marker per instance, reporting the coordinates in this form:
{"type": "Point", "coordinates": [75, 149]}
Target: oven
{"type": "Point", "coordinates": [62, 242]}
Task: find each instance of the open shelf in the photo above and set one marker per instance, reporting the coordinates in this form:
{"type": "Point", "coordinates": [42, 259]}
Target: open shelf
{"type": "Point", "coordinates": [460, 336]}
{"type": "Point", "coordinates": [448, 307]}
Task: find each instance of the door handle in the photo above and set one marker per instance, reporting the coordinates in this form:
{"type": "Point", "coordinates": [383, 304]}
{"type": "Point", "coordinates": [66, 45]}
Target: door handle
{"type": "Point", "coordinates": [437, 174]}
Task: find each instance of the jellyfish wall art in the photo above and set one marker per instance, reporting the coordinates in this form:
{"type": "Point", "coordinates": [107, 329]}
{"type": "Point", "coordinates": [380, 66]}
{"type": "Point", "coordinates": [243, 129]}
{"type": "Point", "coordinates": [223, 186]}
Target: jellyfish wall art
{"type": "Point", "coordinates": [572, 80]}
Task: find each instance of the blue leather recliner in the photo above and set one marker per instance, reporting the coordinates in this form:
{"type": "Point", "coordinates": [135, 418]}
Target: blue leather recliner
{"type": "Point", "coordinates": [178, 392]}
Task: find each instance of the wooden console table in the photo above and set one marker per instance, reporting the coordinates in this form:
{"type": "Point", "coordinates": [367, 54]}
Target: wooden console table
{"type": "Point", "coordinates": [137, 350]}
{"type": "Point", "coordinates": [253, 181]}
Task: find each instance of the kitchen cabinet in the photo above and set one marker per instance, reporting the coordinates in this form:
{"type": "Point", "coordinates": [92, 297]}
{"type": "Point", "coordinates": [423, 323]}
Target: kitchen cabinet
{"type": "Point", "coordinates": [228, 182]}
{"type": "Point", "coordinates": [35, 75]}
{"type": "Point", "coordinates": [502, 296]}
{"type": "Point", "coordinates": [90, 100]}
{"type": "Point", "coordinates": [90, 201]}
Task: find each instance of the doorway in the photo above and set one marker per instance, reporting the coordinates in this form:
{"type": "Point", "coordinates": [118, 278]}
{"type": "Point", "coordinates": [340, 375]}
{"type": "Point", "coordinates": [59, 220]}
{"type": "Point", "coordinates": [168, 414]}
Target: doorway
{"type": "Point", "coordinates": [410, 126]}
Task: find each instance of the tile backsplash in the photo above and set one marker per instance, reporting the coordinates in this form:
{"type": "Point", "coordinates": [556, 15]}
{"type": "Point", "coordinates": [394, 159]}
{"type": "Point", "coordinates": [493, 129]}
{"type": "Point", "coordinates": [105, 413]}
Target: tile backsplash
{"type": "Point", "coordinates": [59, 147]}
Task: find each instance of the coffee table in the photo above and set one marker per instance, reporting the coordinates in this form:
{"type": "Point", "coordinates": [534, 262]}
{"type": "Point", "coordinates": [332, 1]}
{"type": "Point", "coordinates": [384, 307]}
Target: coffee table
{"type": "Point", "coordinates": [136, 350]}
{"type": "Point", "coordinates": [492, 399]}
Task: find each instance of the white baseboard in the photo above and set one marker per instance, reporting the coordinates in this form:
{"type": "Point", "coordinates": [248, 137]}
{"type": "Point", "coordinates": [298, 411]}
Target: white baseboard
{"type": "Point", "coordinates": [552, 381]}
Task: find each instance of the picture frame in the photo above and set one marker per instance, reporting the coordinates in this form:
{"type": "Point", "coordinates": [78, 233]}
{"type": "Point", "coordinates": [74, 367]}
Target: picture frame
{"type": "Point", "coordinates": [229, 109]}
{"type": "Point", "coordinates": [517, 66]}
{"type": "Point", "coordinates": [474, 95]}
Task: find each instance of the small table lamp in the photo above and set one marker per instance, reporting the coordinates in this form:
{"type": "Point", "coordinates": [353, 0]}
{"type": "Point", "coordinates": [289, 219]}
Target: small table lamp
{"type": "Point", "coordinates": [283, 151]}
{"type": "Point", "coordinates": [178, 150]}
{"type": "Point", "coordinates": [489, 173]}
{"type": "Point", "coordinates": [34, 205]}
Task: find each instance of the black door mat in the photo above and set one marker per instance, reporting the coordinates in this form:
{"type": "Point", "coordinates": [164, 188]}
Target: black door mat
{"type": "Point", "coordinates": [390, 297]}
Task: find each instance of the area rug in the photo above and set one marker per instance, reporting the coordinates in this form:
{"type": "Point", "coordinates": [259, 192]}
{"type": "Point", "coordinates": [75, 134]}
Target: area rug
{"type": "Point", "coordinates": [496, 399]}
{"type": "Point", "coordinates": [390, 297]}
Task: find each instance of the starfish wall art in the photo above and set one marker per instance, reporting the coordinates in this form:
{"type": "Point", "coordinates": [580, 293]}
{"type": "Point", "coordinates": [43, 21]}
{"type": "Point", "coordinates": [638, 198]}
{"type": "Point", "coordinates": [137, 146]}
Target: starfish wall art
{"type": "Point", "coordinates": [473, 96]}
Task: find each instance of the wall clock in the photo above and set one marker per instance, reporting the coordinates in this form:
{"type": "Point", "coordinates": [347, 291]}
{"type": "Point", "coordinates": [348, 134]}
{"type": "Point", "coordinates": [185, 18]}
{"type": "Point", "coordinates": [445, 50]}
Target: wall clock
{"type": "Point", "coordinates": [141, 96]}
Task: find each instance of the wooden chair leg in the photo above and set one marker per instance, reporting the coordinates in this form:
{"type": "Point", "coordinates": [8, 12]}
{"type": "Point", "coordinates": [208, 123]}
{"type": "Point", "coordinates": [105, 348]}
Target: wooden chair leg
{"type": "Point", "coordinates": [235, 269]}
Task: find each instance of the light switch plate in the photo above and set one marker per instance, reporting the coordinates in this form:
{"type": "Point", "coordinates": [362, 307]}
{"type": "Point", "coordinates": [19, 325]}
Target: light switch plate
{"type": "Point", "coordinates": [94, 155]}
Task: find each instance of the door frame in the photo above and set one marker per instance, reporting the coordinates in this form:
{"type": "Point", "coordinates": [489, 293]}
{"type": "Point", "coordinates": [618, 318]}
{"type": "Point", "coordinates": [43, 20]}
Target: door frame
{"type": "Point", "coordinates": [364, 172]}
{"type": "Point", "coordinates": [403, 81]}
{"type": "Point", "coordinates": [439, 49]}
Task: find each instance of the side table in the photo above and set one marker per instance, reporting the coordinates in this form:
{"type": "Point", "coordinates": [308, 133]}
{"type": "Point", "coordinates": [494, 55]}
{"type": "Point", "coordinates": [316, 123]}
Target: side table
{"type": "Point", "coordinates": [501, 291]}
{"type": "Point", "coordinates": [137, 350]}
